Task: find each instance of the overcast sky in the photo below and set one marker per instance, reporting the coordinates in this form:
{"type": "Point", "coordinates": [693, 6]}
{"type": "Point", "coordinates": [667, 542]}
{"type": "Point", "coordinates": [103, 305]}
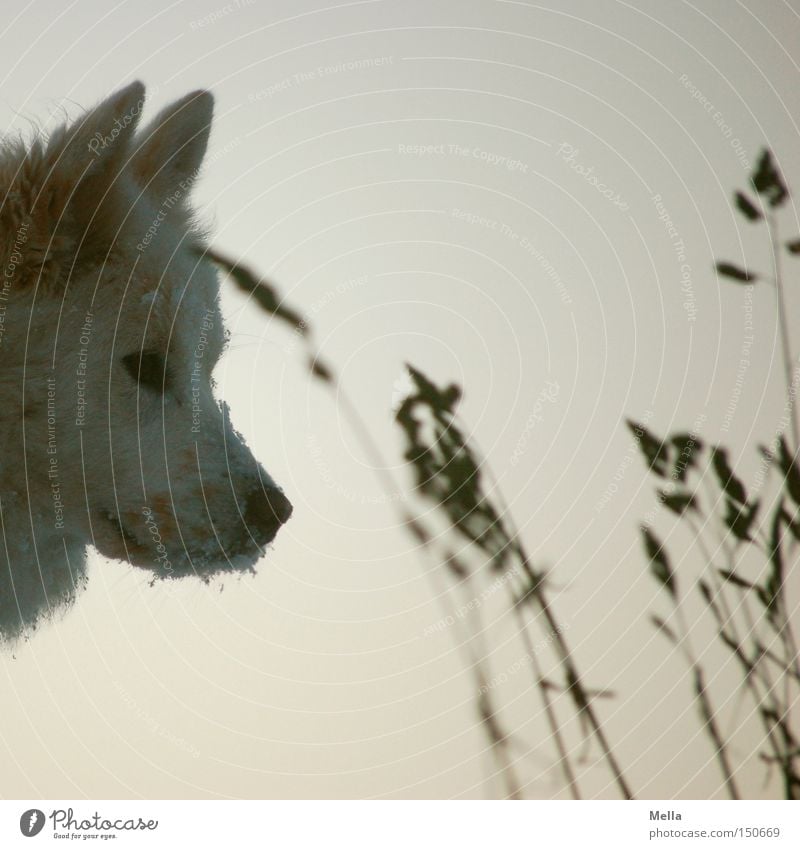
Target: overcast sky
{"type": "Point", "coordinates": [524, 198]}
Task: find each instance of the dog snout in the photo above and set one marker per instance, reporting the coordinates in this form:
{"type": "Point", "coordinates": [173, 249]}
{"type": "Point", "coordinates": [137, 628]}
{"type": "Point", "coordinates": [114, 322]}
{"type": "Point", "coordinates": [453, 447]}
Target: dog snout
{"type": "Point", "coordinates": [265, 512]}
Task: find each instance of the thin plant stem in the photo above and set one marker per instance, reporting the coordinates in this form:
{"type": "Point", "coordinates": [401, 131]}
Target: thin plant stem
{"type": "Point", "coordinates": [498, 739]}
{"type": "Point", "coordinates": [579, 695]}
{"type": "Point", "coordinates": [552, 719]}
{"type": "Point", "coordinates": [788, 363]}
{"type": "Point", "coordinates": [706, 708]}
{"type": "Point", "coordinates": [472, 661]}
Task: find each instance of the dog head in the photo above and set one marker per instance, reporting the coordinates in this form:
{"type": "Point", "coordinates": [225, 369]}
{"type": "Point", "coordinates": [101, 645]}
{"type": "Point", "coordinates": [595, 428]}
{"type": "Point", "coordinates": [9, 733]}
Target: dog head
{"type": "Point", "coordinates": [110, 330]}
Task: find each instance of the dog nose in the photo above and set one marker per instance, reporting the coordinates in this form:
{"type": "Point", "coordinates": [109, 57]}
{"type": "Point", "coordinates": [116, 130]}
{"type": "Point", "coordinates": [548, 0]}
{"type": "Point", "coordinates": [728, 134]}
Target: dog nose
{"type": "Point", "coordinates": [265, 512]}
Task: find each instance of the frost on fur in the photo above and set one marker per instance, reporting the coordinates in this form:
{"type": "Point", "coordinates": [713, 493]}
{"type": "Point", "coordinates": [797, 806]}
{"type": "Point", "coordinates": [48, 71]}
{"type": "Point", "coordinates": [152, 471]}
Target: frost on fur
{"type": "Point", "coordinates": [109, 331]}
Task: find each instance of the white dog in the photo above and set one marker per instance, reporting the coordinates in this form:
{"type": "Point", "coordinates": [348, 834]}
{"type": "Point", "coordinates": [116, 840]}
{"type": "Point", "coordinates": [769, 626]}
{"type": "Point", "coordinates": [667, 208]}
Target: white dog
{"type": "Point", "coordinates": [109, 332]}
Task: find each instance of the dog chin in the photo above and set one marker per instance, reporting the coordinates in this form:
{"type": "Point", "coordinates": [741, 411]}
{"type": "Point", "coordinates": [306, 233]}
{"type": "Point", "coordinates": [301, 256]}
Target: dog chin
{"type": "Point", "coordinates": [116, 542]}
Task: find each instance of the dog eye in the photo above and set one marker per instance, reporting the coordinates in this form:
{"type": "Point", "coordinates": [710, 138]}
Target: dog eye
{"type": "Point", "coordinates": [148, 368]}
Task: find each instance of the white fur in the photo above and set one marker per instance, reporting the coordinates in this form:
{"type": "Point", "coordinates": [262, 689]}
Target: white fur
{"type": "Point", "coordinates": [95, 223]}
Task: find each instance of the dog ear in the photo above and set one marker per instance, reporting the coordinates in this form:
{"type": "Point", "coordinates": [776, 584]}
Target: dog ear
{"type": "Point", "coordinates": [60, 191]}
{"type": "Point", "coordinates": [171, 148]}
{"type": "Point", "coordinates": [107, 132]}
{"type": "Point", "coordinates": [90, 153]}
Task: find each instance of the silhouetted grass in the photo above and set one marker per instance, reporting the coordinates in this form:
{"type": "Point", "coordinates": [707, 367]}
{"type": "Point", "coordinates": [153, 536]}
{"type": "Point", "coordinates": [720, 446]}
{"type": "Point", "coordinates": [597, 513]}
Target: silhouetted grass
{"type": "Point", "coordinates": [448, 473]}
{"type": "Point", "coordinates": [755, 627]}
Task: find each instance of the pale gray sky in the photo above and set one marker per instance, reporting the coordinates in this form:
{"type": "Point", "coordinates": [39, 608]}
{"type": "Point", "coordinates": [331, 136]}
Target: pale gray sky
{"type": "Point", "coordinates": [489, 257]}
